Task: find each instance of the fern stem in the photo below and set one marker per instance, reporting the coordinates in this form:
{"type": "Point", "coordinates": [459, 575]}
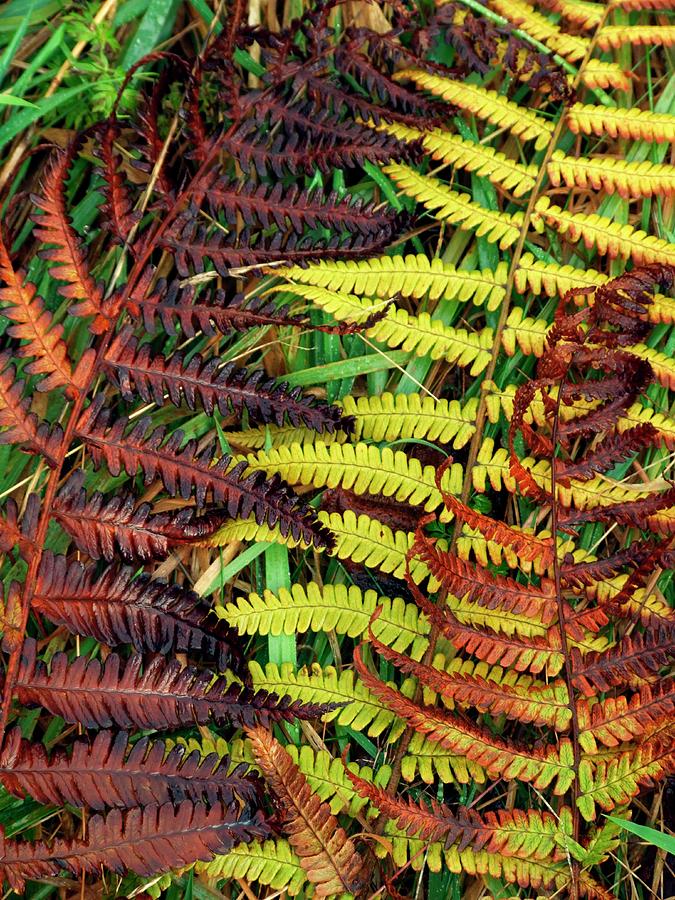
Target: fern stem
{"type": "Point", "coordinates": [481, 414]}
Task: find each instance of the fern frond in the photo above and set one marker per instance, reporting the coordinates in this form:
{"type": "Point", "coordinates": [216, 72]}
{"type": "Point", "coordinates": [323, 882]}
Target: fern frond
{"type": "Point", "coordinates": [485, 104]}
{"type": "Point", "coordinates": [272, 863]}
{"type": "Point", "coordinates": [616, 719]}
{"type": "Point", "coordinates": [662, 364]}
{"type": "Point", "coordinates": [357, 706]}
{"type": "Point", "coordinates": [115, 608]}
{"type": "Point", "coordinates": [135, 370]}
{"type": "Point", "coordinates": [404, 276]}
{"type": "Point", "coordinates": [328, 780]}
{"type": "Point", "coordinates": [521, 14]}
{"type": "Point", "coordinates": [326, 854]}
{"type": "Point", "coordinates": [614, 781]}
{"type": "Point", "coordinates": [34, 324]}
{"type": "Point", "coordinates": [484, 161]}
{"type": "Point", "coordinates": [500, 758]}
{"type": "Point", "coordinates": [144, 840]}
{"type": "Point", "coordinates": [614, 36]}
{"type": "Point", "coordinates": [458, 209]}
{"type": "Point", "coordinates": [428, 760]}
{"type": "Point", "coordinates": [525, 333]}
{"type": "Point", "coordinates": [607, 236]}
{"type": "Point", "coordinates": [185, 469]}
{"type": "Point", "coordinates": [109, 772]}
{"type": "Point", "coordinates": [390, 417]}
{"type": "Point", "coordinates": [419, 334]}
{"type": "Point", "coordinates": [345, 609]}
{"type": "Point", "coordinates": [21, 424]}
{"type": "Point", "coordinates": [580, 12]}
{"type": "Point", "coordinates": [54, 227]}
{"type": "Point", "coordinates": [163, 695]}
{"type": "Point", "coordinates": [362, 468]}
{"type": "Point", "coordinates": [610, 174]}
{"type": "Point", "coordinates": [631, 123]}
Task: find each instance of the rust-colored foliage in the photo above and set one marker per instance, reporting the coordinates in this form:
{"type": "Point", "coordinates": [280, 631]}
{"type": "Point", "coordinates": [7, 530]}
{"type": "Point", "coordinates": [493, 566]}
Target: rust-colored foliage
{"type": "Point", "coordinates": [326, 854]}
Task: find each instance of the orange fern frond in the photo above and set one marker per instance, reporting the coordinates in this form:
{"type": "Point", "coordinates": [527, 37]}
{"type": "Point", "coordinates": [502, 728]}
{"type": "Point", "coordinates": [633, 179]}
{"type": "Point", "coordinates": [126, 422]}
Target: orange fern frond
{"type": "Point", "coordinates": [327, 855]}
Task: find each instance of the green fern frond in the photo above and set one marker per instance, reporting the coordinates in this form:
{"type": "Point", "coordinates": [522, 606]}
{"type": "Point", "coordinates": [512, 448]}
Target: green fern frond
{"type": "Point", "coordinates": [344, 609]}
{"type": "Point", "coordinates": [412, 275]}
{"type": "Point", "coordinates": [427, 760]}
{"type": "Point", "coordinates": [272, 863]}
{"type": "Point", "coordinates": [458, 209]}
{"type": "Point", "coordinates": [485, 104]}
{"type": "Point", "coordinates": [359, 709]}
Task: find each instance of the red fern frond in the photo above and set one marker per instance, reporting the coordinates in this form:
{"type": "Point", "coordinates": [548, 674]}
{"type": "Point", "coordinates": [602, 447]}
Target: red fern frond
{"type": "Point", "coordinates": [159, 695]}
{"type": "Point", "coordinates": [115, 608]}
{"type": "Point", "coordinates": [184, 470]}
{"type": "Point", "coordinates": [120, 525]}
{"type": "Point", "coordinates": [327, 855]}
{"type": "Point", "coordinates": [616, 719]}
{"type": "Point", "coordinates": [143, 840]}
{"type": "Point", "coordinates": [23, 426]}
{"type": "Point", "coordinates": [610, 451]}
{"type": "Point", "coordinates": [111, 772]}
{"type": "Point", "coordinates": [118, 212]}
{"type": "Point", "coordinates": [634, 658]}
{"type": "Point", "coordinates": [135, 370]}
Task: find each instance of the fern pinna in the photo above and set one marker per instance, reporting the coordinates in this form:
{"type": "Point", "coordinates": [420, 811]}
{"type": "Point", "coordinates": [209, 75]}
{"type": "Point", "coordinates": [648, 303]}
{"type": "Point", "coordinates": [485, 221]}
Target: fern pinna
{"type": "Point", "coordinates": [104, 360]}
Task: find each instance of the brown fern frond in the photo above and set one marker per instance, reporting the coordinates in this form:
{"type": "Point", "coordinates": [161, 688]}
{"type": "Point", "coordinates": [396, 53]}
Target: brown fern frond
{"type": "Point", "coordinates": [327, 855]}
{"type": "Point", "coordinates": [135, 370]}
{"type": "Point", "coordinates": [185, 470]}
{"type": "Point", "coordinates": [103, 528]}
{"type": "Point", "coordinates": [143, 840]}
{"type": "Point", "coordinates": [159, 695]}
{"type": "Point", "coordinates": [110, 771]}
{"type": "Point", "coordinates": [616, 719]}
{"type": "Point", "coordinates": [119, 215]}
{"type": "Point", "coordinates": [115, 608]}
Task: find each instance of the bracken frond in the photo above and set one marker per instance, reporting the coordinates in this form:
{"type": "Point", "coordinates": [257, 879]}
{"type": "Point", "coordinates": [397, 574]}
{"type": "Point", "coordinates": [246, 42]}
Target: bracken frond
{"type": "Point", "coordinates": [159, 695]}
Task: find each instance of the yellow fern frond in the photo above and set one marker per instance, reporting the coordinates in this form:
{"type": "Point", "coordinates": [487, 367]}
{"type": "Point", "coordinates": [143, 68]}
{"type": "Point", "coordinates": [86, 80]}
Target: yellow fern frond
{"type": "Point", "coordinates": [359, 708]}
{"type": "Point", "coordinates": [485, 104]}
{"type": "Point", "coordinates": [484, 161]}
{"type": "Point", "coordinates": [427, 759]}
{"type": "Point", "coordinates": [327, 778]}
{"type": "Point", "coordinates": [272, 863]}
{"type": "Point", "coordinates": [419, 334]}
{"type": "Point", "coordinates": [614, 36]}
{"type": "Point", "coordinates": [553, 280]}
{"type": "Point", "coordinates": [367, 541]}
{"type": "Point", "coordinates": [342, 608]}
{"type": "Point", "coordinates": [249, 530]}
{"type": "Point", "coordinates": [412, 275]}
{"type": "Point", "coordinates": [523, 16]}
{"type": "Point", "coordinates": [632, 124]}
{"type": "Point", "coordinates": [280, 436]}
{"type": "Point", "coordinates": [580, 12]}
{"type": "Point", "coordinates": [634, 5]}
{"type": "Point", "coordinates": [390, 417]}
{"type": "Point", "coordinates": [458, 209]}
{"type": "Point", "coordinates": [596, 73]}
{"type": "Point", "coordinates": [606, 236]}
{"type": "Point", "coordinates": [524, 332]}
{"type": "Point", "coordinates": [362, 468]}
{"type": "Point", "coordinates": [628, 179]}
